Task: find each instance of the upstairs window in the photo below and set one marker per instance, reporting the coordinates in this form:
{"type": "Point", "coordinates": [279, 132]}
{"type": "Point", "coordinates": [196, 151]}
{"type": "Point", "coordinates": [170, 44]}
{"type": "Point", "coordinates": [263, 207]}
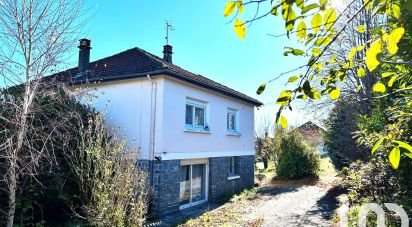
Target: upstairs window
{"type": "Point", "coordinates": [195, 115]}
{"type": "Point", "coordinates": [232, 121]}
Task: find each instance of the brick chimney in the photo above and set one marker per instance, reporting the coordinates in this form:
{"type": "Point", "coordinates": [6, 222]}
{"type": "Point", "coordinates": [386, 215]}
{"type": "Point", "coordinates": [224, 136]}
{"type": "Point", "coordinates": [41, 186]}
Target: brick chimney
{"type": "Point", "coordinates": [167, 53]}
{"type": "Point", "coordinates": [84, 55]}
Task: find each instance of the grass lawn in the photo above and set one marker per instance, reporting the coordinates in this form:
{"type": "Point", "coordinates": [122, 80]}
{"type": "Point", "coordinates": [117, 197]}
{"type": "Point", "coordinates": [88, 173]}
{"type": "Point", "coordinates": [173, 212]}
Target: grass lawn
{"type": "Point", "coordinates": [326, 168]}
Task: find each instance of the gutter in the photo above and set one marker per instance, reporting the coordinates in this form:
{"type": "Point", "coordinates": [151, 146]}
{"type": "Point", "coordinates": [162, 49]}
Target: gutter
{"type": "Point", "coordinates": [171, 74]}
{"type": "Point", "coordinates": [178, 76]}
{"type": "Point", "coordinates": [153, 103]}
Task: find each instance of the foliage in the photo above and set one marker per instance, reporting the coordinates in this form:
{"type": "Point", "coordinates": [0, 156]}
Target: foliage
{"type": "Point", "coordinates": [366, 184]}
{"type": "Point", "coordinates": [297, 159]}
{"type": "Point", "coordinates": [52, 122]}
{"type": "Point", "coordinates": [267, 151]}
{"type": "Point", "coordinates": [114, 191]}
{"type": "Point", "coordinates": [268, 148]}
{"type": "Point", "coordinates": [82, 148]}
{"type": "Point", "coordinates": [247, 194]}
{"type": "Point", "coordinates": [382, 59]}
{"type": "Point", "coordinates": [35, 37]}
{"type": "Point", "coordinates": [341, 123]}
{"type": "Point", "coordinates": [379, 70]}
{"type": "Point", "coordinates": [376, 181]}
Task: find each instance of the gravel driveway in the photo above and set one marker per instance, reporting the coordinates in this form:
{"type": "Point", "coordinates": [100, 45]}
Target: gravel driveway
{"type": "Point", "coordinates": [292, 203]}
{"type": "Point", "coordinates": [307, 205]}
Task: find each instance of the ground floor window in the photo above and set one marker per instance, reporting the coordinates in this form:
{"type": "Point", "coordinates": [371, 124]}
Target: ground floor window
{"type": "Point", "coordinates": [232, 170]}
{"type": "Point", "coordinates": [193, 184]}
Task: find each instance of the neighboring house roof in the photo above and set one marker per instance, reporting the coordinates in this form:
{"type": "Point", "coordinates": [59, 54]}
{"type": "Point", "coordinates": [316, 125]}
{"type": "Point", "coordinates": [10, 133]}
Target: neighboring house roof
{"type": "Point", "coordinates": [310, 127]}
{"type": "Point", "coordinates": [136, 62]}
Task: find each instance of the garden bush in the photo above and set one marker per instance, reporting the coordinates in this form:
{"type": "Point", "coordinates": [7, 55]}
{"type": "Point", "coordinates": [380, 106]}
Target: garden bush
{"type": "Point", "coordinates": [90, 179]}
{"type": "Point", "coordinates": [297, 159]}
{"type": "Point", "coordinates": [377, 182]}
{"type": "Point", "coordinates": [339, 141]}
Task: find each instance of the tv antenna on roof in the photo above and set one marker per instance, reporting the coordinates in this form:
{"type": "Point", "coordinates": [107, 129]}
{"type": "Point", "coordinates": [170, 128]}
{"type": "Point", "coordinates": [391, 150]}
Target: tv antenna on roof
{"type": "Point", "coordinates": [169, 27]}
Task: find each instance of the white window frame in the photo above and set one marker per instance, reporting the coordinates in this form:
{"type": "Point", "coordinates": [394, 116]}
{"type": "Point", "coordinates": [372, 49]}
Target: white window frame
{"type": "Point", "coordinates": [200, 105]}
{"type": "Point", "coordinates": [234, 113]}
{"type": "Point", "coordinates": [232, 169]}
{"type": "Point", "coordinates": [190, 163]}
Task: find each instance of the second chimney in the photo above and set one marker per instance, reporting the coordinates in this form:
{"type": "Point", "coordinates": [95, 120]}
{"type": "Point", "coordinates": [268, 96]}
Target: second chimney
{"type": "Point", "coordinates": [84, 55]}
{"type": "Point", "coordinates": [167, 53]}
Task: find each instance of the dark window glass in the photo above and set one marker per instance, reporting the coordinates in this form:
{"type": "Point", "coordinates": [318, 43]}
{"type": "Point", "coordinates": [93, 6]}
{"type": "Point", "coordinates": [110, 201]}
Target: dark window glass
{"type": "Point", "coordinates": [199, 116]}
{"type": "Point", "coordinates": [232, 166]}
{"type": "Point", "coordinates": [189, 114]}
{"type": "Point", "coordinates": [184, 184]}
{"type": "Point", "coordinates": [231, 122]}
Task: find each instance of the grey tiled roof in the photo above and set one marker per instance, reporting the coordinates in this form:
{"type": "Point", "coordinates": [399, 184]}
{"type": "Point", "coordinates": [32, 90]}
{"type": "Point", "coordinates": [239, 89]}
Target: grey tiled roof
{"type": "Point", "coordinates": [136, 62]}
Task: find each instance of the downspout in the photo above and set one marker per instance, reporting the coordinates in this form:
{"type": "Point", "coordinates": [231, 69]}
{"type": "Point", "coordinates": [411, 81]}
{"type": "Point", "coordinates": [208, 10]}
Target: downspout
{"type": "Point", "coordinates": [152, 127]}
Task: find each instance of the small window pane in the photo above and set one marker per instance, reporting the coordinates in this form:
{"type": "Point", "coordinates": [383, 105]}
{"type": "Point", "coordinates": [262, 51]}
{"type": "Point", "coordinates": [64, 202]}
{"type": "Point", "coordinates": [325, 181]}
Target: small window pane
{"type": "Point", "coordinates": [184, 184]}
{"type": "Point", "coordinates": [189, 114]}
{"type": "Point", "coordinates": [231, 121]}
{"type": "Point", "coordinates": [232, 166]}
{"type": "Point", "coordinates": [228, 125]}
{"type": "Point", "coordinates": [199, 116]}
{"type": "Point", "coordinates": [198, 182]}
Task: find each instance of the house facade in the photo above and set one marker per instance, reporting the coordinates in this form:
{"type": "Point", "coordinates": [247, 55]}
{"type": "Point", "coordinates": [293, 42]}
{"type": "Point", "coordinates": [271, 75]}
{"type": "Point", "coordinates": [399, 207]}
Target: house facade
{"type": "Point", "coordinates": [193, 135]}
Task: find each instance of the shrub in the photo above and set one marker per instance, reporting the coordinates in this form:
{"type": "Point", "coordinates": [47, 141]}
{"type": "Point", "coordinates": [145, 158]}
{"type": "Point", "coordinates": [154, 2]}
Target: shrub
{"type": "Point", "coordinates": [114, 191]}
{"type": "Point", "coordinates": [377, 182]}
{"type": "Point", "coordinates": [88, 175]}
{"type": "Point", "coordinates": [341, 123]}
{"type": "Point", "coordinates": [296, 159]}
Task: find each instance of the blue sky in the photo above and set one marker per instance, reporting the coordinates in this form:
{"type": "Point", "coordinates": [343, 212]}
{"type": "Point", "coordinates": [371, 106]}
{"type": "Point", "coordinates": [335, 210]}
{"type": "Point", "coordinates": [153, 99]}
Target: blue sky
{"type": "Point", "coordinates": [203, 41]}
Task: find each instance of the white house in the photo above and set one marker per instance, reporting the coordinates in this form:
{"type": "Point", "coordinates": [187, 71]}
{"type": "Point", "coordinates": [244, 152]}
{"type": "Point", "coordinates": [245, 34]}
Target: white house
{"type": "Point", "coordinates": [195, 136]}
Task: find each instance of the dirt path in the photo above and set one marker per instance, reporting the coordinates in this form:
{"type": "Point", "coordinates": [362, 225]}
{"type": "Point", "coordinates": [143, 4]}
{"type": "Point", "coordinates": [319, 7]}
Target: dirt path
{"type": "Point", "coordinates": [294, 205]}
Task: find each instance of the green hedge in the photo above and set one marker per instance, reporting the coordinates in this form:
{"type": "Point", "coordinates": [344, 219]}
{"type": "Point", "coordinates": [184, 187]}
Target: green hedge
{"type": "Point", "coordinates": [297, 159]}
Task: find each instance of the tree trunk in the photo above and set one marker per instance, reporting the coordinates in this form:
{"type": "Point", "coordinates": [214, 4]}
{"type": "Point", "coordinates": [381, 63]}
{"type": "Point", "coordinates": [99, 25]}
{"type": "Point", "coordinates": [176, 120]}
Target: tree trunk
{"type": "Point", "coordinates": [21, 133]}
{"type": "Point", "coordinates": [12, 195]}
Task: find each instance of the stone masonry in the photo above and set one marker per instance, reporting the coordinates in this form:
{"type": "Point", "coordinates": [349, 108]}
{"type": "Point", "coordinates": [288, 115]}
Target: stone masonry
{"type": "Point", "coordinates": [166, 187]}
{"type": "Point", "coordinates": [220, 187]}
{"type": "Point", "coordinates": [166, 182]}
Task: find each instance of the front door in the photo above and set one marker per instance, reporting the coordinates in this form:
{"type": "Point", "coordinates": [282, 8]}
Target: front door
{"type": "Point", "coordinates": [193, 184]}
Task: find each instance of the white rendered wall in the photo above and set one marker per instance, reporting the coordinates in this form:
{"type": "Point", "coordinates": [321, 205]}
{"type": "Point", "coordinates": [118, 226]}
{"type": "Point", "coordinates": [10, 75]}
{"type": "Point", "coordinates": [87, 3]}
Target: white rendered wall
{"type": "Point", "coordinates": [178, 143]}
{"type": "Point", "coordinates": [127, 109]}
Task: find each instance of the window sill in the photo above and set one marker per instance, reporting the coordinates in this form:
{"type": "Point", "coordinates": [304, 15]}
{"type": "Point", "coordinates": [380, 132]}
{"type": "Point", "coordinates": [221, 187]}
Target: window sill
{"type": "Point", "coordinates": [197, 131]}
{"type": "Point", "coordinates": [233, 134]}
{"type": "Point", "coordinates": [233, 177]}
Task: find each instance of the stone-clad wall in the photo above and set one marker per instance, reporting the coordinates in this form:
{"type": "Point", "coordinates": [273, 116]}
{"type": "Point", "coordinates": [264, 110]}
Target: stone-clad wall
{"type": "Point", "coordinates": [166, 187]}
{"type": "Point", "coordinates": [220, 187]}
{"type": "Point", "coordinates": [166, 182]}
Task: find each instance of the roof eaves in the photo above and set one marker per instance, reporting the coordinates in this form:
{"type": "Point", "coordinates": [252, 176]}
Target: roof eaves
{"type": "Point", "coordinates": [177, 75]}
{"type": "Point", "coordinates": [119, 77]}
